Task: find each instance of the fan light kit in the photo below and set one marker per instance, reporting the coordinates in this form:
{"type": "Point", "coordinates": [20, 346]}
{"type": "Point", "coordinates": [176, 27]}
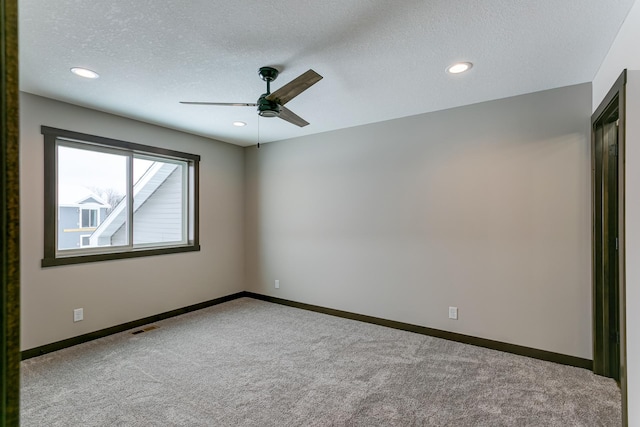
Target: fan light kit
{"type": "Point", "coordinates": [85, 72]}
{"type": "Point", "coordinates": [459, 67]}
{"type": "Point", "coordinates": [239, 124]}
{"type": "Point", "coordinates": [272, 104]}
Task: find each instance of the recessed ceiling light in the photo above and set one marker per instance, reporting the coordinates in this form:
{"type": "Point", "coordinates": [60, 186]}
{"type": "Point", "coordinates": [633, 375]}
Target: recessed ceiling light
{"type": "Point", "coordinates": [85, 72]}
{"type": "Point", "coordinates": [459, 67]}
{"type": "Point", "coordinates": [239, 124]}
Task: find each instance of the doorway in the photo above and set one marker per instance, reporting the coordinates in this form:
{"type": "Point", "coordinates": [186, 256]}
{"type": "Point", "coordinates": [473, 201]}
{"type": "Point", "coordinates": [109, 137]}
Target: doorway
{"type": "Point", "coordinates": [607, 160]}
{"type": "Point", "coordinates": [606, 244]}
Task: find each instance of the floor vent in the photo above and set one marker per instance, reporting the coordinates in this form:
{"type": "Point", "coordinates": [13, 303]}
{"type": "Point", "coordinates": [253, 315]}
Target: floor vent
{"type": "Point", "coordinates": [148, 328]}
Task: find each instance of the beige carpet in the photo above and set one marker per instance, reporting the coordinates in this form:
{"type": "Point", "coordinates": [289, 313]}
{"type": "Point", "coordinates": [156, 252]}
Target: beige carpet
{"type": "Point", "coordinates": [254, 363]}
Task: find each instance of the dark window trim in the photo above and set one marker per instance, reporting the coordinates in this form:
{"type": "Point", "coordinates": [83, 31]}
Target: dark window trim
{"type": "Point", "coordinates": [84, 137]}
{"type": "Point", "coordinates": [50, 136]}
{"type": "Point", "coordinates": [137, 253]}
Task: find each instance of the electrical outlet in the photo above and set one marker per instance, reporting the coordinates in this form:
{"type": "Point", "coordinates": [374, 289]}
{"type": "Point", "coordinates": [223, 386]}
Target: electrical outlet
{"type": "Point", "coordinates": [453, 313]}
{"type": "Point", "coordinates": [277, 284]}
{"type": "Point", "coordinates": [78, 314]}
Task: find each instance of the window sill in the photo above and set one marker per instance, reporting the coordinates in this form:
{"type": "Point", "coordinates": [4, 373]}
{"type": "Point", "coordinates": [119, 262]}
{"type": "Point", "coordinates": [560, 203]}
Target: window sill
{"type": "Point", "coordinates": [81, 259]}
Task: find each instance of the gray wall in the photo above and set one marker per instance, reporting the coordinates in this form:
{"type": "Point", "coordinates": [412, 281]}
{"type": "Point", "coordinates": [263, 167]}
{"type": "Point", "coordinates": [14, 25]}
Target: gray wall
{"type": "Point", "coordinates": [116, 292]}
{"type": "Point", "coordinates": [484, 207]}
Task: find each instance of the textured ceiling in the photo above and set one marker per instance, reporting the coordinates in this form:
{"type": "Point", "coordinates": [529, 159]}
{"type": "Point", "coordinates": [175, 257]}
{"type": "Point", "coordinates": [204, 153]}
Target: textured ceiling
{"type": "Point", "coordinates": [380, 59]}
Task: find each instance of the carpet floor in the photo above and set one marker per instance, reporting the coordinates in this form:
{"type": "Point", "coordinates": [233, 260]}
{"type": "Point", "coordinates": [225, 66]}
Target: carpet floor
{"type": "Point", "coordinates": [253, 363]}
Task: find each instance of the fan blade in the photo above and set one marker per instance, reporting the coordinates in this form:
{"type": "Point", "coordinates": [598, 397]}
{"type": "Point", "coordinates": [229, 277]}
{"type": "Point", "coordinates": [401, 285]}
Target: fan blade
{"type": "Point", "coordinates": [227, 104]}
{"type": "Point", "coordinates": [291, 117]}
{"type": "Point", "coordinates": [295, 87]}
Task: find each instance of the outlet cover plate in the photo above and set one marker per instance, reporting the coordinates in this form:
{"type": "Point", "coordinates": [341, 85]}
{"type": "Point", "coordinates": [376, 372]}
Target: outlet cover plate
{"type": "Point", "coordinates": [78, 314]}
{"type": "Point", "coordinates": [453, 313]}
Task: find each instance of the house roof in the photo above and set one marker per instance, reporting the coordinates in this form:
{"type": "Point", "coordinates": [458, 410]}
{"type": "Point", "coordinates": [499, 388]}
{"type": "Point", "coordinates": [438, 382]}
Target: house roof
{"type": "Point", "coordinates": [380, 59]}
{"type": "Point", "coordinates": [153, 178]}
{"type": "Point", "coordinates": [77, 195]}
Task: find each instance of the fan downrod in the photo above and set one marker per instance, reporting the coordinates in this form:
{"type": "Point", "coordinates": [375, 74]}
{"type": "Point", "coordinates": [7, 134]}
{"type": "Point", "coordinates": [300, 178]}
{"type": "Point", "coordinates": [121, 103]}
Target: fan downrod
{"type": "Point", "coordinates": [268, 108]}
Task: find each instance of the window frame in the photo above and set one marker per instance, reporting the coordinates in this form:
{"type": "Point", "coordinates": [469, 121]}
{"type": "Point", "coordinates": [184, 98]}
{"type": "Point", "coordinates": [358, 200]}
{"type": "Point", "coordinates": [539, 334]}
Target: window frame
{"type": "Point", "coordinates": [51, 255]}
{"type": "Point", "coordinates": [97, 217]}
{"type": "Point", "coordinates": [82, 236]}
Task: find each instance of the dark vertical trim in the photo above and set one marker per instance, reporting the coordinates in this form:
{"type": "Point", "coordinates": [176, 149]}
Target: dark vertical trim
{"type": "Point", "coordinates": [9, 199]}
{"type": "Point", "coordinates": [614, 101]}
{"type": "Point", "coordinates": [596, 244]}
{"type": "Point", "coordinates": [196, 203]}
{"type": "Point", "coordinates": [50, 196]}
{"type": "Point", "coordinates": [622, 137]}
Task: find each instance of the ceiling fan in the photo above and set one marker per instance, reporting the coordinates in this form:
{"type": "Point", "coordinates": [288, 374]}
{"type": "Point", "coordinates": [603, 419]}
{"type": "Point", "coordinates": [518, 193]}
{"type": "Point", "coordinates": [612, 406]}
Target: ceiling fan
{"type": "Point", "coordinates": [272, 104]}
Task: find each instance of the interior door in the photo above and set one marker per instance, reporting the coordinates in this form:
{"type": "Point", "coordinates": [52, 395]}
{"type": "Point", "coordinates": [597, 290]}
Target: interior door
{"type": "Point", "coordinates": [606, 248]}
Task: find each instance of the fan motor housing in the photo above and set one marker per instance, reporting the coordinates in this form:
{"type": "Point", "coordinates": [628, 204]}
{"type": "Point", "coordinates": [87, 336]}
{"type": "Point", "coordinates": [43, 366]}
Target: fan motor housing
{"type": "Point", "coordinates": [268, 108]}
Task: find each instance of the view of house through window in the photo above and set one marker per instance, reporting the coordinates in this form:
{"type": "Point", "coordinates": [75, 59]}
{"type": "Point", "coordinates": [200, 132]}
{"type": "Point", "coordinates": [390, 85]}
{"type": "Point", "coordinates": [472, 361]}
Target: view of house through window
{"type": "Point", "coordinates": [117, 199]}
{"type": "Point", "coordinates": [89, 183]}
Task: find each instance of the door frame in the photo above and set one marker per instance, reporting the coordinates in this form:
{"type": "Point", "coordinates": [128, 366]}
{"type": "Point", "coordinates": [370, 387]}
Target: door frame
{"type": "Point", "coordinates": [615, 99]}
{"type": "Point", "coordinates": [9, 199]}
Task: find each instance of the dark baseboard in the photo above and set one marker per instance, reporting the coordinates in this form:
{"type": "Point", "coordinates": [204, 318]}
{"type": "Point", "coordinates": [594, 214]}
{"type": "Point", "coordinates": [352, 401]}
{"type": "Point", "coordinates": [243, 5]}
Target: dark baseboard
{"type": "Point", "coordinates": [452, 336]}
{"type": "Point", "coordinates": [59, 345]}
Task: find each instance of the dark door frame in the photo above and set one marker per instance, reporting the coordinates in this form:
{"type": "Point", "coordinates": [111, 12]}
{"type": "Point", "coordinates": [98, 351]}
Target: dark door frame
{"type": "Point", "coordinates": [9, 195]}
{"type": "Point", "coordinates": [612, 103]}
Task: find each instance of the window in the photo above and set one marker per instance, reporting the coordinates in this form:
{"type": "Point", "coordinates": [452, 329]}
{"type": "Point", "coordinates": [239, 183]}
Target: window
{"type": "Point", "coordinates": [84, 240]}
{"type": "Point", "coordinates": [89, 218]}
{"type": "Point", "coordinates": [108, 199]}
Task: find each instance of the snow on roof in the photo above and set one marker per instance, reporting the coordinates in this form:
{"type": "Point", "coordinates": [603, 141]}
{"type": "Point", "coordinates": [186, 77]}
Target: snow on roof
{"type": "Point", "coordinates": [77, 195]}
